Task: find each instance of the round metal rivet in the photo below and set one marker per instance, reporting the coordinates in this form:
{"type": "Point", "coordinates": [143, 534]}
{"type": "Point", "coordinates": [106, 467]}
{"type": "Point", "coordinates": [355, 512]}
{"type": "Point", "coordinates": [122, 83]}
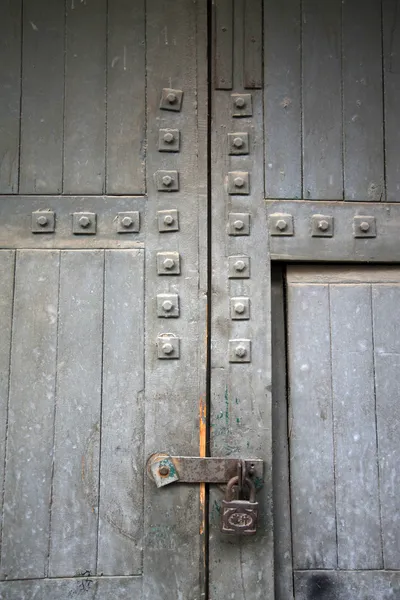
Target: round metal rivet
{"type": "Point", "coordinates": [240, 102]}
{"type": "Point", "coordinates": [364, 226]}
{"type": "Point", "coordinates": [323, 225]}
{"type": "Point", "coordinates": [127, 221]}
{"type": "Point", "coordinates": [240, 265]}
{"type": "Point", "coordinates": [167, 180]}
{"type": "Point", "coordinates": [167, 305]}
{"type": "Point", "coordinates": [239, 181]}
{"type": "Point", "coordinates": [167, 348]}
{"type": "Point", "coordinates": [42, 221]}
{"type": "Point", "coordinates": [238, 224]}
{"type": "Point", "coordinates": [281, 225]}
{"type": "Point", "coordinates": [168, 138]}
{"type": "Point", "coordinates": [163, 471]}
{"type": "Point", "coordinates": [240, 351]}
{"type": "Point", "coordinates": [171, 97]}
{"type": "Point", "coordinates": [169, 263]}
{"type": "Point", "coordinates": [84, 221]}
{"type": "Point", "coordinates": [238, 142]}
{"type": "Point", "coordinates": [168, 219]}
{"type": "Point", "coordinates": [239, 308]}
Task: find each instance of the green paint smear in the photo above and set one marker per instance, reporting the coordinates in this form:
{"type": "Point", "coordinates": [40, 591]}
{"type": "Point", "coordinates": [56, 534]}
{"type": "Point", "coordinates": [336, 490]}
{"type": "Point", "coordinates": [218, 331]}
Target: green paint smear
{"type": "Point", "coordinates": [226, 405]}
{"type": "Point", "coordinates": [238, 420]}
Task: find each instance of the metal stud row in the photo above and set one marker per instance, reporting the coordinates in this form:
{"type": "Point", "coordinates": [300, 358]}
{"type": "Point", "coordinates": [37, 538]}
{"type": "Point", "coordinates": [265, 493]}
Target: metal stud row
{"type": "Point", "coordinates": [85, 223]}
{"type": "Point", "coordinates": [282, 224]}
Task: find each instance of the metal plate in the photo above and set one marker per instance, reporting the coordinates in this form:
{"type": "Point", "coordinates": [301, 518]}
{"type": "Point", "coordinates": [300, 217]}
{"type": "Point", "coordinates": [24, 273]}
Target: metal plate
{"type": "Point", "coordinates": [168, 305]}
{"type": "Point", "coordinates": [239, 351]}
{"type": "Point", "coordinates": [128, 222]}
{"type": "Point", "coordinates": [238, 183]}
{"type": "Point", "coordinates": [168, 346]}
{"type": "Point", "coordinates": [239, 224]}
{"type": "Point", "coordinates": [167, 181]}
{"type": "Point", "coordinates": [242, 105]}
{"type": "Point", "coordinates": [171, 99]}
{"type": "Point", "coordinates": [84, 223]}
{"type": "Point", "coordinates": [238, 267]}
{"type": "Point", "coordinates": [43, 221]}
{"type": "Point", "coordinates": [168, 220]}
{"type": "Point", "coordinates": [239, 308]}
{"type": "Point", "coordinates": [168, 263]}
{"type": "Point", "coordinates": [238, 143]}
{"type": "Point", "coordinates": [169, 140]}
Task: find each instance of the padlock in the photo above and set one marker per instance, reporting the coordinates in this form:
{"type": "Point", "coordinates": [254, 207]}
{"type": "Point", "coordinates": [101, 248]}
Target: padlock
{"type": "Point", "coordinates": [239, 516]}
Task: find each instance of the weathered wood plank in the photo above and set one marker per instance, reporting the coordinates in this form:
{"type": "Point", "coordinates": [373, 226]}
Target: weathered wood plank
{"type": "Point", "coordinates": [386, 303]}
{"type": "Point", "coordinates": [311, 428]}
{"type": "Point", "coordinates": [282, 99]}
{"type": "Point", "coordinates": [391, 63]}
{"type": "Point", "coordinates": [357, 485]}
{"type": "Point", "coordinates": [342, 585]}
{"type": "Point", "coordinates": [126, 97]}
{"type": "Point", "coordinates": [31, 416]}
{"type": "Point", "coordinates": [223, 32]}
{"type": "Point", "coordinates": [123, 588]}
{"type": "Point", "coordinates": [85, 95]}
{"type": "Point", "coordinates": [122, 469]}
{"type": "Point", "coordinates": [42, 97]}
{"type": "Point", "coordinates": [253, 44]}
{"type": "Point", "coordinates": [10, 78]}
{"type": "Point", "coordinates": [362, 101]}
{"type": "Point", "coordinates": [322, 102]}
{"type": "Point", "coordinates": [74, 510]}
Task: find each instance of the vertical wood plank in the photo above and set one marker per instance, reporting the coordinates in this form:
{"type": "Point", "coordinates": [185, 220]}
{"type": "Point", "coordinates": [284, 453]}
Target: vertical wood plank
{"type": "Point", "coordinates": [126, 97]}
{"type": "Point", "coordinates": [122, 432]}
{"type": "Point", "coordinates": [31, 416]}
{"type": "Point", "coordinates": [362, 101]}
{"type": "Point", "coordinates": [322, 102]}
{"type": "Point", "coordinates": [391, 48]}
{"type": "Point", "coordinates": [223, 32]}
{"type": "Point", "coordinates": [10, 77]}
{"type": "Point", "coordinates": [386, 303]}
{"type": "Point", "coordinates": [312, 472]}
{"type": "Point", "coordinates": [42, 97]}
{"type": "Point", "coordinates": [85, 95]}
{"type": "Point", "coordinates": [357, 485]}
{"type": "Point", "coordinates": [253, 44]}
{"type": "Point", "coordinates": [282, 99]}
{"type": "Point", "coordinates": [74, 512]}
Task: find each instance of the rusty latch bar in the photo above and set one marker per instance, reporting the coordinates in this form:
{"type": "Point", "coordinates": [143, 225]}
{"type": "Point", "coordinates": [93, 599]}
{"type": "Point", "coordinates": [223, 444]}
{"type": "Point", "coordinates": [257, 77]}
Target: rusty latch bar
{"type": "Point", "coordinates": [165, 469]}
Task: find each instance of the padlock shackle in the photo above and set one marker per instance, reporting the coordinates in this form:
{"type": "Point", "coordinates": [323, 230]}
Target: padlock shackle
{"type": "Point", "coordinates": [235, 481]}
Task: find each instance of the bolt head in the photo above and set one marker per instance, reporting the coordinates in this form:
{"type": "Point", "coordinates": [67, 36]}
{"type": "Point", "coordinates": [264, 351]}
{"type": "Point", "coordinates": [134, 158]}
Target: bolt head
{"type": "Point", "coordinates": [323, 225]}
{"type": "Point", "coordinates": [167, 180]}
{"type": "Point", "coordinates": [281, 225]}
{"type": "Point", "coordinates": [238, 224]}
{"type": "Point", "coordinates": [364, 226]}
{"type": "Point", "coordinates": [167, 305]}
{"type": "Point", "coordinates": [239, 308]}
{"type": "Point", "coordinates": [239, 182]}
{"type": "Point", "coordinates": [84, 221]}
{"type": "Point", "coordinates": [171, 98]}
{"type": "Point", "coordinates": [42, 221]}
{"type": "Point", "coordinates": [240, 265]}
{"type": "Point", "coordinates": [238, 142]}
{"type": "Point", "coordinates": [169, 263]}
{"type": "Point", "coordinates": [167, 348]}
{"type": "Point", "coordinates": [240, 102]}
{"type": "Point", "coordinates": [168, 138]}
{"type": "Point", "coordinates": [127, 221]}
{"type": "Point", "coordinates": [163, 471]}
{"type": "Point", "coordinates": [240, 351]}
{"type": "Point", "coordinates": [168, 220]}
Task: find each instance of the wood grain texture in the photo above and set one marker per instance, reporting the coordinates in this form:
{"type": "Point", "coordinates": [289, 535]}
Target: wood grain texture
{"type": "Point", "coordinates": [282, 99]}
{"type": "Point", "coordinates": [10, 105]}
{"type": "Point", "coordinates": [223, 36]}
{"type": "Point", "coordinates": [85, 95]}
{"type": "Point", "coordinates": [42, 97]}
{"type": "Point", "coordinates": [391, 63]}
{"type": "Point", "coordinates": [31, 416]}
{"type": "Point", "coordinates": [120, 537]}
{"type": "Point", "coordinates": [74, 508]}
{"type": "Point", "coordinates": [321, 100]}
{"type": "Point", "coordinates": [123, 588]}
{"type": "Point", "coordinates": [253, 44]}
{"type": "Point", "coordinates": [362, 101]}
{"type": "Point", "coordinates": [337, 585]}
{"type": "Point", "coordinates": [126, 97]}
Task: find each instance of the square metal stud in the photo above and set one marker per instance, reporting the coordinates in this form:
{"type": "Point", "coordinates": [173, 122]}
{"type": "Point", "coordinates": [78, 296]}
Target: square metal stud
{"type": "Point", "coordinates": [239, 308]}
{"type": "Point", "coordinates": [364, 227]}
{"type": "Point", "coordinates": [171, 99]}
{"type": "Point", "coordinates": [239, 224]}
{"type": "Point", "coordinates": [43, 221]}
{"type": "Point", "coordinates": [238, 182]}
{"type": "Point", "coordinates": [168, 263]}
{"type": "Point", "coordinates": [239, 351]}
{"type": "Point", "coordinates": [238, 143]}
{"type": "Point", "coordinates": [238, 267]}
{"type": "Point", "coordinates": [168, 346]}
{"type": "Point", "coordinates": [281, 224]}
{"type": "Point", "coordinates": [242, 105]}
{"type": "Point", "coordinates": [167, 181]}
{"type": "Point", "coordinates": [84, 223]}
{"type": "Point", "coordinates": [167, 305]}
{"type": "Point", "coordinates": [169, 140]}
{"type": "Point", "coordinates": [168, 220]}
{"type": "Point", "coordinates": [128, 222]}
{"type": "Point", "coordinates": [321, 226]}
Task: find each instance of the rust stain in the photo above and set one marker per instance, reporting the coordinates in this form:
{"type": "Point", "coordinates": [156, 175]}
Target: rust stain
{"type": "Point", "coordinates": [202, 449]}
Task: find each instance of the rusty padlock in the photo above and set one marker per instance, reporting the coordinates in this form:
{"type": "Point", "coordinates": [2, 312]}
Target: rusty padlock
{"type": "Point", "coordinates": [239, 516]}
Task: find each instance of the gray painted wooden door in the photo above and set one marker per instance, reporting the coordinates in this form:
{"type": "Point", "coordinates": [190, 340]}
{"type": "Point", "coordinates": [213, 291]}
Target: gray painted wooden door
{"type": "Point", "coordinates": [343, 422]}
